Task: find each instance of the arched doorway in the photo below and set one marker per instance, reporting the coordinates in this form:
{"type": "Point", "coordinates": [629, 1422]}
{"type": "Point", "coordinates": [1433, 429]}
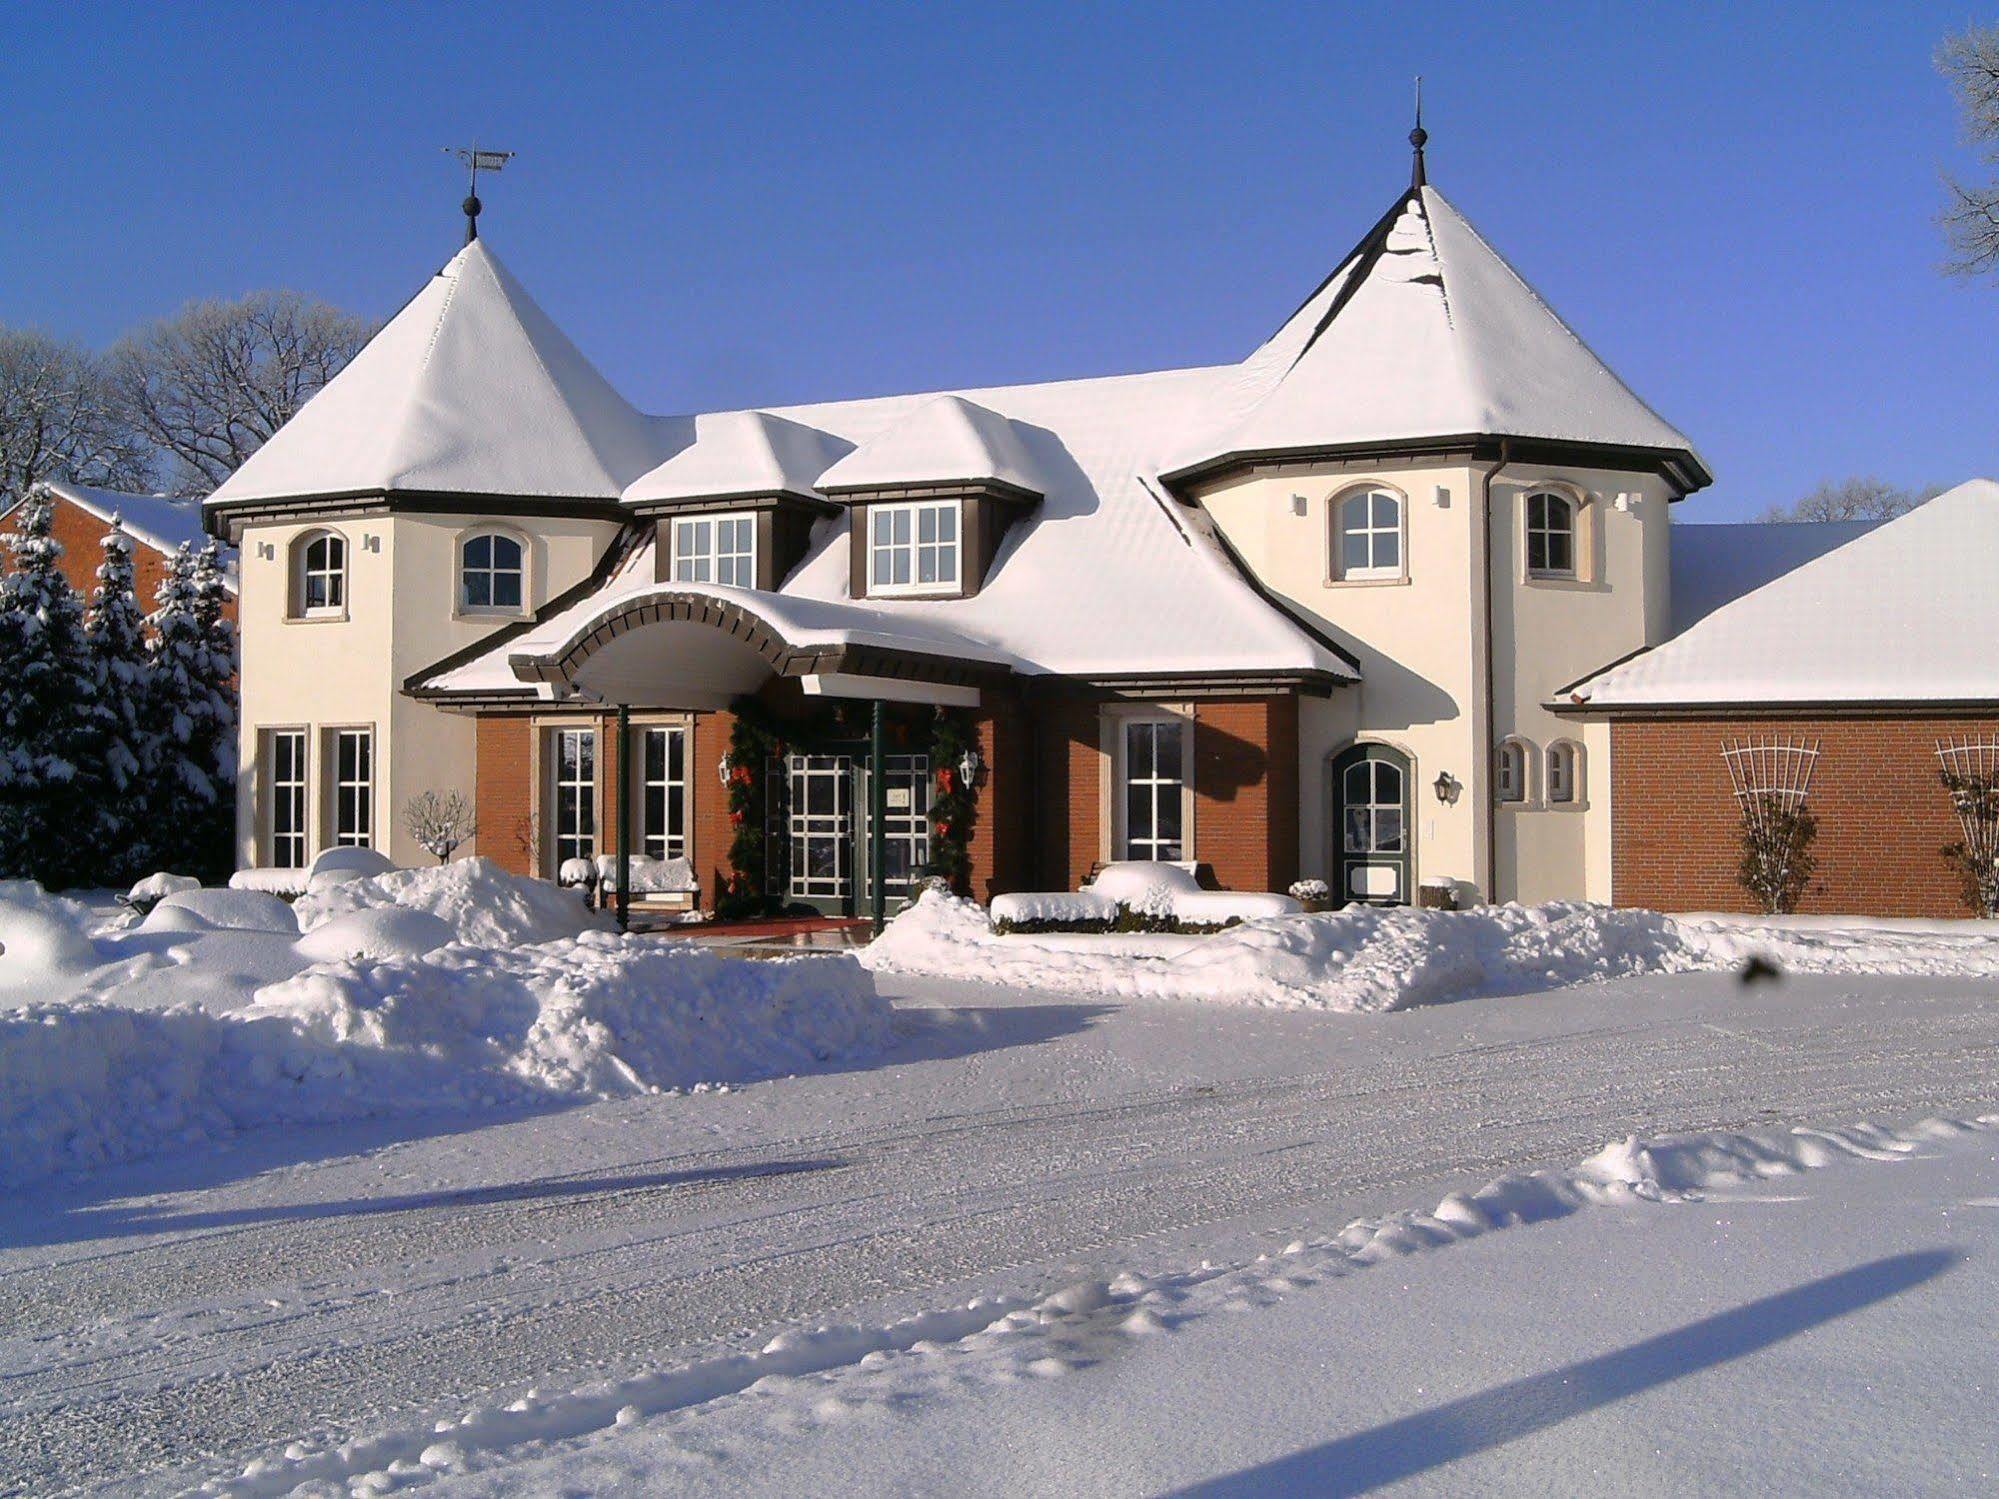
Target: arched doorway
{"type": "Point", "coordinates": [1371, 837]}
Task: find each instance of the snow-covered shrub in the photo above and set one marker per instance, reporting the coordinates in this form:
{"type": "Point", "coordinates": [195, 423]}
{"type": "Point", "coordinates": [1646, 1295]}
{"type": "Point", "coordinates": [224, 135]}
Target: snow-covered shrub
{"type": "Point", "coordinates": [287, 884]}
{"type": "Point", "coordinates": [154, 888]}
{"type": "Point", "coordinates": [228, 910]}
{"type": "Point", "coordinates": [378, 934]}
{"type": "Point", "coordinates": [480, 902]}
{"type": "Point", "coordinates": [43, 938]}
{"type": "Point", "coordinates": [1313, 895]}
{"type": "Point", "coordinates": [1777, 861]}
{"type": "Point", "coordinates": [441, 825]}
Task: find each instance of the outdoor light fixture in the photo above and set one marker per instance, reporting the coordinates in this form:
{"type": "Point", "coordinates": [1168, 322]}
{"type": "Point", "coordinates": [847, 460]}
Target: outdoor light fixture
{"type": "Point", "coordinates": [722, 770]}
{"type": "Point", "coordinates": [1445, 786]}
{"type": "Point", "coordinates": [968, 766]}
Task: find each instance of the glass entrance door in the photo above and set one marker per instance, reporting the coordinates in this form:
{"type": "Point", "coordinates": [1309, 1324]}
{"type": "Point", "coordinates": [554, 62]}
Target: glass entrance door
{"type": "Point", "coordinates": [1371, 849]}
{"type": "Point", "coordinates": [905, 825]}
{"type": "Point", "coordinates": [821, 830]}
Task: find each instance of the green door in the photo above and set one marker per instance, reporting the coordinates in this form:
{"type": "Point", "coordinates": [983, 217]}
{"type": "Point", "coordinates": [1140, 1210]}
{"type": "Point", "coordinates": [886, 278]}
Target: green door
{"type": "Point", "coordinates": [1372, 834]}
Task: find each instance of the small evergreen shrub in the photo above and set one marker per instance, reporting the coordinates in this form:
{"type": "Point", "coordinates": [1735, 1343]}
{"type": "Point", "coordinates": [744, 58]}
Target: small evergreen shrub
{"type": "Point", "coordinates": [1777, 862]}
{"type": "Point", "coordinates": [1974, 796]}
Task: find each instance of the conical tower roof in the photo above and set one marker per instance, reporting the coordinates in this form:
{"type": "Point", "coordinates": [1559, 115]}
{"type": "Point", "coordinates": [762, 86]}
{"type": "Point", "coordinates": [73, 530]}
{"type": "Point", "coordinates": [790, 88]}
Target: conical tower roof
{"type": "Point", "coordinates": [1424, 332]}
{"type": "Point", "coordinates": [470, 389]}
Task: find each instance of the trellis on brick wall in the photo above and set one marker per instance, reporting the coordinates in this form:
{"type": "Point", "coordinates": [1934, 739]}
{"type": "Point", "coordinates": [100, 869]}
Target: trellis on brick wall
{"type": "Point", "coordinates": [1770, 775]}
{"type": "Point", "coordinates": [1970, 771]}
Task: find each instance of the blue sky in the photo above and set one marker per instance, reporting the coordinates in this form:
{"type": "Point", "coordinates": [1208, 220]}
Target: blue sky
{"type": "Point", "coordinates": [753, 205]}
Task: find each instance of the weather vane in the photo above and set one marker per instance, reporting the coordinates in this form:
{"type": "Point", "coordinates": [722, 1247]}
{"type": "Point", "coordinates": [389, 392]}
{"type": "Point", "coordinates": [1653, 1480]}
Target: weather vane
{"type": "Point", "coordinates": [476, 161]}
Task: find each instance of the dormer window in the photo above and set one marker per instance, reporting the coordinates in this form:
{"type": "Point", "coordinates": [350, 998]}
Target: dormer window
{"type": "Point", "coordinates": [913, 548]}
{"type": "Point", "coordinates": [491, 574]}
{"type": "Point", "coordinates": [1551, 536]}
{"type": "Point", "coordinates": [715, 549]}
{"type": "Point", "coordinates": [319, 576]}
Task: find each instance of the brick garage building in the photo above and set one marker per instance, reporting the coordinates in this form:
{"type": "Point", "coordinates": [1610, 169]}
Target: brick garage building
{"type": "Point", "coordinates": [157, 525]}
{"type": "Point", "coordinates": [1866, 661]}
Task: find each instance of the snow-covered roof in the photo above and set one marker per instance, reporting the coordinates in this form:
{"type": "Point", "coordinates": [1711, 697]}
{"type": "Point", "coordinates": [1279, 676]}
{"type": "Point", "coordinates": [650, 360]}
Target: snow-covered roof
{"type": "Point", "coordinates": [156, 520]}
{"type": "Point", "coordinates": [731, 454]}
{"type": "Point", "coordinates": [470, 389]}
{"type": "Point", "coordinates": [944, 440]}
{"type": "Point", "coordinates": [1906, 612]}
{"type": "Point", "coordinates": [1422, 332]}
{"type": "Point", "coordinates": [1714, 564]}
{"type": "Point", "coordinates": [1105, 579]}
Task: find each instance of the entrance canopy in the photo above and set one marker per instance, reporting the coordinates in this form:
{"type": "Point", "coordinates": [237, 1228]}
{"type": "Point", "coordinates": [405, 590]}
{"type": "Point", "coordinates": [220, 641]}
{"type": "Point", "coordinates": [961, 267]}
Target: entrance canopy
{"type": "Point", "coordinates": [668, 646]}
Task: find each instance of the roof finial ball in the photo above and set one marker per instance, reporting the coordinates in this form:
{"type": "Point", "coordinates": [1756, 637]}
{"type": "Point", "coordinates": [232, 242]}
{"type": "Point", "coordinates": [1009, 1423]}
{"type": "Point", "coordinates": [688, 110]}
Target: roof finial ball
{"type": "Point", "coordinates": [476, 161]}
{"type": "Point", "coordinates": [1419, 138]}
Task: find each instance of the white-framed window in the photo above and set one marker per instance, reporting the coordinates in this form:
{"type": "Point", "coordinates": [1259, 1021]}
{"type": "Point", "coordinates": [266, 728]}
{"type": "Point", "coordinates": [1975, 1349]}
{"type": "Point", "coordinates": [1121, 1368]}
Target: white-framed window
{"type": "Point", "coordinates": [286, 797]}
{"type": "Point", "coordinates": [1152, 754]}
{"type": "Point", "coordinates": [1510, 772]}
{"type": "Point", "coordinates": [573, 792]}
{"type": "Point", "coordinates": [492, 574]}
{"type": "Point", "coordinates": [353, 766]}
{"type": "Point", "coordinates": [663, 792]}
{"type": "Point", "coordinates": [319, 576]}
{"type": "Point", "coordinates": [1551, 535]}
{"type": "Point", "coordinates": [1368, 536]}
{"type": "Point", "coordinates": [1564, 773]}
{"type": "Point", "coordinates": [715, 549]}
{"type": "Point", "coordinates": [914, 548]}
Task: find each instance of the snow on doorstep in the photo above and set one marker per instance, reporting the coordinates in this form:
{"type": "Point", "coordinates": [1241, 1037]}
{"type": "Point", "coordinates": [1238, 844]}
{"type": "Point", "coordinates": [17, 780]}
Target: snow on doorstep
{"type": "Point", "coordinates": [483, 904]}
{"type": "Point", "coordinates": [1369, 959]}
{"type": "Point", "coordinates": [458, 1028]}
{"type": "Point", "coordinates": [1168, 1377]}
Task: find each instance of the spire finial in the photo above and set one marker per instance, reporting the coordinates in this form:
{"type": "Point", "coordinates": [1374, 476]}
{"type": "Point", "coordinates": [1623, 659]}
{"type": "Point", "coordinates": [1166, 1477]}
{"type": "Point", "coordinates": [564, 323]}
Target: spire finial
{"type": "Point", "coordinates": [476, 161]}
{"type": "Point", "coordinates": [1419, 137]}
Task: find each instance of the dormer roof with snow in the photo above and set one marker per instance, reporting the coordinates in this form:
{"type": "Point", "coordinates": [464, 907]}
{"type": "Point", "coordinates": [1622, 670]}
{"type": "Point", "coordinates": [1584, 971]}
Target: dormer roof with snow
{"type": "Point", "coordinates": [1424, 334]}
{"type": "Point", "coordinates": [469, 390]}
{"type": "Point", "coordinates": [944, 441]}
{"type": "Point", "coordinates": [741, 455]}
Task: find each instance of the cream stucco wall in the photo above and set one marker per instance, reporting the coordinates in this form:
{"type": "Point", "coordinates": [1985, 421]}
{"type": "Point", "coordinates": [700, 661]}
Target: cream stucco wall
{"type": "Point", "coordinates": [401, 616]}
{"type": "Point", "coordinates": [1421, 643]}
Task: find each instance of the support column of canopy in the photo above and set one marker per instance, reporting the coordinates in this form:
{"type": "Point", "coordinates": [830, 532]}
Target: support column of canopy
{"type": "Point", "coordinates": [624, 817]}
{"type": "Point", "coordinates": [877, 813]}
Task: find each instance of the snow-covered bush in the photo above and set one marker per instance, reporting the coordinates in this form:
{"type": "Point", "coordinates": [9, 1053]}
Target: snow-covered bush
{"type": "Point", "coordinates": [1777, 861]}
{"type": "Point", "coordinates": [228, 910]}
{"type": "Point", "coordinates": [440, 824]}
{"type": "Point", "coordinates": [1313, 895]}
{"type": "Point", "coordinates": [1974, 797]}
{"type": "Point", "coordinates": [286, 883]}
{"type": "Point", "coordinates": [1136, 895]}
{"type": "Point", "coordinates": [478, 900]}
{"type": "Point", "coordinates": [154, 888]}
{"type": "Point", "coordinates": [380, 933]}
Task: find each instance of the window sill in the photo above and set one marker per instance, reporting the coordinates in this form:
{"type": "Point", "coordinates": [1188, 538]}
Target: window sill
{"type": "Point", "coordinates": [464, 613]}
{"type": "Point", "coordinates": [330, 617]}
{"type": "Point", "coordinates": [946, 591]}
{"type": "Point", "coordinates": [1401, 582]}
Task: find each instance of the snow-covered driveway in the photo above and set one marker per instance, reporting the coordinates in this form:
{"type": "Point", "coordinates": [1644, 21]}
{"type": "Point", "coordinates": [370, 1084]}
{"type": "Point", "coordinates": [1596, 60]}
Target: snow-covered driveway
{"type": "Point", "coordinates": [331, 1281]}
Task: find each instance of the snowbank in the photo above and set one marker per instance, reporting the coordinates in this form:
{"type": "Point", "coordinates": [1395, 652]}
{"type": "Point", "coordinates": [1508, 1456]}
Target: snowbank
{"type": "Point", "coordinates": [589, 1017]}
{"type": "Point", "coordinates": [379, 934]}
{"type": "Point", "coordinates": [481, 902]}
{"type": "Point", "coordinates": [1369, 958]}
{"type": "Point", "coordinates": [45, 941]}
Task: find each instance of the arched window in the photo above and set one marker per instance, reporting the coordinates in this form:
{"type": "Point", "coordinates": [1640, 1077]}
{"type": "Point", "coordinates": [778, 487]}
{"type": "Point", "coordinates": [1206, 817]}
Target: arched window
{"type": "Point", "coordinates": [1510, 772]}
{"type": "Point", "coordinates": [490, 573]}
{"type": "Point", "coordinates": [1551, 535]}
{"type": "Point", "coordinates": [1564, 773]}
{"type": "Point", "coordinates": [319, 575]}
{"type": "Point", "coordinates": [1370, 535]}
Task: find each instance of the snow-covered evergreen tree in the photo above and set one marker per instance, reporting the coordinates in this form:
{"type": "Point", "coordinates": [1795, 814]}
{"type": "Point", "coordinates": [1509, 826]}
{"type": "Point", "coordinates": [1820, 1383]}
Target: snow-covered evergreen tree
{"type": "Point", "coordinates": [47, 711]}
{"type": "Point", "coordinates": [182, 799]}
{"type": "Point", "coordinates": [215, 728]}
{"type": "Point", "coordinates": [120, 747]}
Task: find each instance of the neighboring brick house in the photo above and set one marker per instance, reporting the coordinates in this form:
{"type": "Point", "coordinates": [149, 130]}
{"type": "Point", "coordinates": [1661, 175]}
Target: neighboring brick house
{"type": "Point", "coordinates": [1303, 615]}
{"type": "Point", "coordinates": [1867, 664]}
{"type": "Point", "coordinates": [157, 524]}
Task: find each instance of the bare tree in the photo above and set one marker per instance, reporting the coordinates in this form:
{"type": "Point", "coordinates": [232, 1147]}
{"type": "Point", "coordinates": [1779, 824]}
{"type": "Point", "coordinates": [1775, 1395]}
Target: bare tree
{"type": "Point", "coordinates": [209, 385]}
{"type": "Point", "coordinates": [440, 824]}
{"type": "Point", "coordinates": [1971, 218]}
{"type": "Point", "coordinates": [1861, 498]}
{"type": "Point", "coordinates": [60, 418]}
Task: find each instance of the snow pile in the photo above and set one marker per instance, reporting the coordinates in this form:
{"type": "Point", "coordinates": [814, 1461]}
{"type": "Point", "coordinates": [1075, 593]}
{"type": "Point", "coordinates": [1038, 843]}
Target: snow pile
{"type": "Point", "coordinates": [223, 910]}
{"type": "Point", "coordinates": [590, 1017]}
{"type": "Point", "coordinates": [380, 933]}
{"type": "Point", "coordinates": [1148, 888]}
{"type": "Point", "coordinates": [1368, 958]}
{"type": "Point", "coordinates": [44, 939]}
{"type": "Point", "coordinates": [481, 902]}
{"type": "Point", "coordinates": [155, 887]}
{"type": "Point", "coordinates": [1364, 958]}
{"type": "Point", "coordinates": [285, 882]}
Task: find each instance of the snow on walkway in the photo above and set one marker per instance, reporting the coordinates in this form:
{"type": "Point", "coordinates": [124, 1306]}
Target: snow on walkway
{"type": "Point", "coordinates": [1371, 959]}
{"type": "Point", "coordinates": [1295, 1372]}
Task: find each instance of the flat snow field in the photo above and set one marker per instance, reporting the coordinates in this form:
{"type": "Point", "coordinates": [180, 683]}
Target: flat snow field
{"type": "Point", "coordinates": [166, 1322]}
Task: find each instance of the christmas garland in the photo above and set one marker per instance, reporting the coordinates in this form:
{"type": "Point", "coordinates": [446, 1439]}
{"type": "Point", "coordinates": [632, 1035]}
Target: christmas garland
{"type": "Point", "coordinates": [953, 802]}
{"type": "Point", "coordinates": [754, 743]}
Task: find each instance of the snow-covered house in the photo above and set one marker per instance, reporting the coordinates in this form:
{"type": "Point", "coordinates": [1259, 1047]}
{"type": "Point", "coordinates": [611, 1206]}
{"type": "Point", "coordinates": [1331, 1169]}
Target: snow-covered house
{"type": "Point", "coordinates": [1852, 679]}
{"type": "Point", "coordinates": [1305, 614]}
{"type": "Point", "coordinates": [158, 525]}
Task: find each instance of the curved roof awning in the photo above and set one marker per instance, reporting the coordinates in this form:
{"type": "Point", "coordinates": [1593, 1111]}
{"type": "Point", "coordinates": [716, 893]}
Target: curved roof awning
{"type": "Point", "coordinates": [679, 648]}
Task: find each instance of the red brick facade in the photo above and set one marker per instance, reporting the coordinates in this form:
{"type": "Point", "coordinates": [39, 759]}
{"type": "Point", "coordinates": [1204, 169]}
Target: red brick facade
{"type": "Point", "coordinates": [1881, 811]}
{"type": "Point", "coordinates": [81, 534]}
{"type": "Point", "coordinates": [1040, 797]}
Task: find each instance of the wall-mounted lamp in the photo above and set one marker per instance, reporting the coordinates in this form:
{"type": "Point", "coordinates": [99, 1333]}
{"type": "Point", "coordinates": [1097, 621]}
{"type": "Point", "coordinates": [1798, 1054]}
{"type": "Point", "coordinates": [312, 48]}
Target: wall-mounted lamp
{"type": "Point", "coordinates": [969, 765]}
{"type": "Point", "coordinates": [371, 543]}
{"type": "Point", "coordinates": [1299, 504]}
{"type": "Point", "coordinates": [1446, 787]}
{"type": "Point", "coordinates": [1443, 497]}
{"type": "Point", "coordinates": [267, 551]}
{"type": "Point", "coordinates": [722, 770]}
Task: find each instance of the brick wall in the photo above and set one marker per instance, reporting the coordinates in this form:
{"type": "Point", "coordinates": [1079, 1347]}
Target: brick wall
{"type": "Point", "coordinates": [82, 537]}
{"type": "Point", "coordinates": [708, 818]}
{"type": "Point", "coordinates": [1246, 791]}
{"type": "Point", "coordinates": [503, 790]}
{"type": "Point", "coordinates": [1882, 814]}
